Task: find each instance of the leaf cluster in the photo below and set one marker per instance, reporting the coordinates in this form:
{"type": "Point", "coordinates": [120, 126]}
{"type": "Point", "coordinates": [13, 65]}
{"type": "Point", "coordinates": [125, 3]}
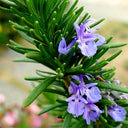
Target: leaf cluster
{"type": "Point", "coordinates": [44, 23]}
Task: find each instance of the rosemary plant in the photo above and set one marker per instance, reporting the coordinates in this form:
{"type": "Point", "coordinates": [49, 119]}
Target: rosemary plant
{"type": "Point", "coordinates": [79, 90]}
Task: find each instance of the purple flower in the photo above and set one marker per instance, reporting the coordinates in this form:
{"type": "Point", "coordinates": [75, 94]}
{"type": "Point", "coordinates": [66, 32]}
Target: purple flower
{"type": "Point", "coordinates": [117, 82]}
{"type": "Point", "coordinates": [84, 95]}
{"type": "Point", "coordinates": [63, 48]}
{"type": "Point", "coordinates": [88, 49]}
{"type": "Point", "coordinates": [82, 88]}
{"type": "Point", "coordinates": [76, 104]}
{"type": "Point", "coordinates": [117, 113]}
{"type": "Point", "coordinates": [101, 39]}
{"type": "Point", "coordinates": [93, 95]}
{"type": "Point", "coordinates": [91, 112]}
{"type": "Point", "coordinates": [80, 78]}
{"type": "Point", "coordinates": [86, 39]}
{"type": "Point", "coordinates": [72, 88]}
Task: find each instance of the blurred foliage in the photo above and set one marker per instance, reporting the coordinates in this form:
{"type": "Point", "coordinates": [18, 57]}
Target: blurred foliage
{"type": "Point", "coordinates": [16, 116]}
{"type": "Point", "coordinates": [6, 31]}
{"type": "Point", "coordinates": [126, 64]}
{"type": "Point", "coordinates": [117, 29]}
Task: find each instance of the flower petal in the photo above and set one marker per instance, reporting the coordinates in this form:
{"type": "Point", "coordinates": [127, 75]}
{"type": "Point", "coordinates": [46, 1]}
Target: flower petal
{"type": "Point", "coordinates": [117, 113]}
{"type": "Point", "coordinates": [62, 47]}
{"type": "Point", "coordinates": [93, 95]}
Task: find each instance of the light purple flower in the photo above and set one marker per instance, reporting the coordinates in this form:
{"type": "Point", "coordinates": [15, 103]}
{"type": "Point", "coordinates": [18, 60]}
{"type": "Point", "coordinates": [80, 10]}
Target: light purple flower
{"type": "Point", "coordinates": [91, 112]}
{"type": "Point", "coordinates": [117, 82]}
{"type": "Point", "coordinates": [63, 48]}
{"type": "Point", "coordinates": [93, 95]}
{"type": "Point", "coordinates": [117, 113]}
{"type": "Point", "coordinates": [72, 88]}
{"type": "Point", "coordinates": [82, 88]}
{"type": "Point", "coordinates": [101, 39]}
{"type": "Point", "coordinates": [80, 78]}
{"type": "Point", "coordinates": [76, 104]}
{"type": "Point", "coordinates": [88, 49]}
{"type": "Point", "coordinates": [84, 95]}
{"type": "Point", "coordinates": [86, 38]}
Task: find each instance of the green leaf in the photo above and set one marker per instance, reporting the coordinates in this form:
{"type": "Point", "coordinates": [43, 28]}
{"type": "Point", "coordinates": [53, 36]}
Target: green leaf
{"type": "Point", "coordinates": [58, 40]}
{"type": "Point", "coordinates": [22, 15]}
{"type": "Point", "coordinates": [70, 54]}
{"type": "Point", "coordinates": [35, 35]}
{"type": "Point", "coordinates": [75, 70]}
{"type": "Point", "coordinates": [78, 124]}
{"type": "Point", "coordinates": [19, 3]}
{"type": "Point", "coordinates": [63, 7]}
{"type": "Point", "coordinates": [69, 26]}
{"type": "Point", "coordinates": [105, 102]}
{"type": "Point", "coordinates": [8, 2]}
{"type": "Point", "coordinates": [102, 71]}
{"type": "Point", "coordinates": [108, 75]}
{"type": "Point", "coordinates": [51, 107]}
{"type": "Point", "coordinates": [38, 90]}
{"type": "Point", "coordinates": [45, 72]}
{"type": "Point", "coordinates": [114, 56]}
{"type": "Point", "coordinates": [125, 122]}
{"type": "Point", "coordinates": [103, 119]}
{"type": "Point", "coordinates": [111, 86]}
{"type": "Point", "coordinates": [52, 9]}
{"type": "Point", "coordinates": [16, 49]}
{"type": "Point", "coordinates": [26, 49]}
{"type": "Point", "coordinates": [14, 43]}
{"type": "Point", "coordinates": [59, 92]}
{"type": "Point", "coordinates": [123, 103]}
{"type": "Point", "coordinates": [34, 78]}
{"type": "Point", "coordinates": [19, 27]}
{"type": "Point", "coordinates": [114, 45]}
{"type": "Point", "coordinates": [25, 20]}
{"type": "Point", "coordinates": [26, 37]}
{"type": "Point", "coordinates": [96, 23]}
{"type": "Point", "coordinates": [58, 63]}
{"type": "Point", "coordinates": [31, 8]}
{"type": "Point", "coordinates": [39, 58]}
{"type": "Point", "coordinates": [71, 9]}
{"type": "Point", "coordinates": [46, 54]}
{"type": "Point", "coordinates": [105, 110]}
{"type": "Point", "coordinates": [56, 125]}
{"type": "Point", "coordinates": [95, 58]}
{"type": "Point", "coordinates": [24, 60]}
{"type": "Point", "coordinates": [37, 28]}
{"type": "Point", "coordinates": [5, 9]}
{"type": "Point", "coordinates": [99, 54]}
{"type": "Point", "coordinates": [84, 18]}
{"type": "Point", "coordinates": [67, 121]}
{"type": "Point", "coordinates": [46, 39]}
{"type": "Point", "coordinates": [62, 101]}
{"type": "Point", "coordinates": [109, 39]}
{"type": "Point", "coordinates": [99, 65]}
